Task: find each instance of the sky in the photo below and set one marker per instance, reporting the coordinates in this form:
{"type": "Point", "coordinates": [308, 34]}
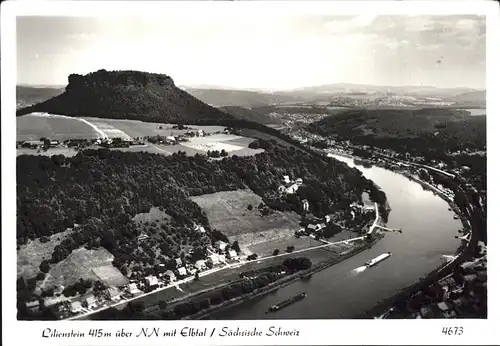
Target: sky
{"type": "Point", "coordinates": [268, 52]}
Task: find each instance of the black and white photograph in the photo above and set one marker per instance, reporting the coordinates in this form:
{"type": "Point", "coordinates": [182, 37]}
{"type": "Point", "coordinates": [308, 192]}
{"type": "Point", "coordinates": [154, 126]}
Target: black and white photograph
{"type": "Point", "coordinates": [244, 164]}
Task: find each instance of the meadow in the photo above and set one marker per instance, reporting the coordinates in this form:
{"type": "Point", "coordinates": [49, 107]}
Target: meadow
{"type": "Point", "coordinates": [136, 128]}
{"type": "Point", "coordinates": [228, 212]}
{"type": "Point", "coordinates": [85, 264]}
{"type": "Point", "coordinates": [30, 255]}
{"type": "Point", "coordinates": [33, 127]}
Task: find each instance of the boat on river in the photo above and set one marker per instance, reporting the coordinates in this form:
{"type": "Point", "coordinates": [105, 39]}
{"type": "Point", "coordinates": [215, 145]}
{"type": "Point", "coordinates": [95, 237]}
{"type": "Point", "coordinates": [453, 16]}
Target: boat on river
{"type": "Point", "coordinates": [287, 302]}
{"type": "Point", "coordinates": [378, 259]}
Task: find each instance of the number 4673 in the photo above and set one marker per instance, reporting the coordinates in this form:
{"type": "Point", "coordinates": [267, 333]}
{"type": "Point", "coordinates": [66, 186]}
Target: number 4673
{"type": "Point", "coordinates": [453, 330]}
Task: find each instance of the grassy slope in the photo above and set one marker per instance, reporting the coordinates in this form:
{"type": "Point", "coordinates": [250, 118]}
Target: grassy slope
{"type": "Point", "coordinates": [227, 212]}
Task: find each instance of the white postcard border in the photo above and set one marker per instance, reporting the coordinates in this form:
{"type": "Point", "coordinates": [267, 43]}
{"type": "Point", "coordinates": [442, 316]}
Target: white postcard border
{"type": "Point", "coordinates": [318, 332]}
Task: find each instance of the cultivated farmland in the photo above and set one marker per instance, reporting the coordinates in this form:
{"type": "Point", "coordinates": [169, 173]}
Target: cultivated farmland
{"type": "Point", "coordinates": [136, 128]}
{"type": "Point", "coordinates": [33, 127]}
{"type": "Point", "coordinates": [228, 212]}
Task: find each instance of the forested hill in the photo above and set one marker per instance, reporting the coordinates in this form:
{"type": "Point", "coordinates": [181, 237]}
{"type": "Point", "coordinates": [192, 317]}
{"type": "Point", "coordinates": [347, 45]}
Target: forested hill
{"type": "Point", "coordinates": [127, 95]}
{"type": "Point", "coordinates": [422, 129]}
{"type": "Point", "coordinates": [102, 190]}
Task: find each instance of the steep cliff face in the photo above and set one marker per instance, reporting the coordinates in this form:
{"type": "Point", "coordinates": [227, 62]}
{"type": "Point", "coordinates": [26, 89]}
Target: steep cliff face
{"type": "Point", "coordinates": [127, 95]}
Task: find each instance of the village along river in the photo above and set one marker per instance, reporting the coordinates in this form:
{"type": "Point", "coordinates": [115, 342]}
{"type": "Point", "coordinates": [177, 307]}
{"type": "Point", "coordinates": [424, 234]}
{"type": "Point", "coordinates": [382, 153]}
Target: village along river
{"type": "Point", "coordinates": [340, 291]}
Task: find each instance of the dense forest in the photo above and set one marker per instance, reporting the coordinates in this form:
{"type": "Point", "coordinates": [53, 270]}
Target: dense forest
{"type": "Point", "coordinates": [102, 190]}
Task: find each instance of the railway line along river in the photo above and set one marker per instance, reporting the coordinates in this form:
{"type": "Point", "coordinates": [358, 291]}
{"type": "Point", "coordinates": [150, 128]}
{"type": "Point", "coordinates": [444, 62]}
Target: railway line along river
{"type": "Point", "coordinates": [342, 292]}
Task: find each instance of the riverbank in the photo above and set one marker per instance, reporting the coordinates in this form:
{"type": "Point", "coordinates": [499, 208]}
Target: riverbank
{"type": "Point", "coordinates": [463, 254]}
{"type": "Point", "coordinates": [434, 276]}
{"type": "Point", "coordinates": [443, 196]}
{"type": "Point", "coordinates": [273, 287]}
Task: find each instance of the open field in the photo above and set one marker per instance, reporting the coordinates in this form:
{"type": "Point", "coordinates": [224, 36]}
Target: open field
{"type": "Point", "coordinates": [136, 128]}
{"type": "Point", "coordinates": [30, 255]}
{"type": "Point", "coordinates": [33, 127]}
{"type": "Point", "coordinates": [266, 248]}
{"type": "Point", "coordinates": [233, 145]}
{"type": "Point", "coordinates": [110, 275]}
{"type": "Point", "coordinates": [154, 214]}
{"type": "Point", "coordinates": [227, 212]}
{"type": "Point", "coordinates": [81, 263]}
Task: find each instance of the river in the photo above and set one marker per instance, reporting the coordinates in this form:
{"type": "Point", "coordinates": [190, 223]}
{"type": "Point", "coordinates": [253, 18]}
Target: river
{"type": "Point", "coordinates": [338, 291]}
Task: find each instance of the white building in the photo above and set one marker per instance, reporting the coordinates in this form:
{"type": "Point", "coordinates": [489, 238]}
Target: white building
{"type": "Point", "coordinates": [292, 188]}
{"type": "Point", "coordinates": [178, 262]}
{"type": "Point", "coordinates": [329, 218]}
{"type": "Point", "coordinates": [298, 181]}
{"type": "Point", "coordinates": [286, 179]}
{"type": "Point", "coordinates": [49, 301]}
{"type": "Point", "coordinates": [76, 307]}
{"type": "Point", "coordinates": [142, 236]}
{"type": "Point", "coordinates": [132, 288]}
{"type": "Point", "coordinates": [152, 281]}
{"type": "Point", "coordinates": [200, 265]}
{"type": "Point", "coordinates": [199, 228]}
{"type": "Point", "coordinates": [170, 274]}
{"type": "Point", "coordinates": [182, 271]}
{"type": "Point", "coordinates": [91, 302]}
{"type": "Point", "coordinates": [305, 205]}
{"type": "Point", "coordinates": [232, 254]}
{"type": "Point", "coordinates": [113, 293]}
{"type": "Point", "coordinates": [220, 245]}
{"type": "Point", "coordinates": [213, 259]}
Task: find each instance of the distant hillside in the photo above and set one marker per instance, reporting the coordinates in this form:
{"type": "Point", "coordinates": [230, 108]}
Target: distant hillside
{"type": "Point", "coordinates": [127, 95]}
{"type": "Point", "coordinates": [470, 99]}
{"type": "Point", "coordinates": [408, 90]}
{"type": "Point", "coordinates": [429, 128]}
{"type": "Point", "coordinates": [242, 98]}
{"type": "Point", "coordinates": [27, 95]}
{"type": "Point", "coordinates": [258, 115]}
{"type": "Point", "coordinates": [479, 95]}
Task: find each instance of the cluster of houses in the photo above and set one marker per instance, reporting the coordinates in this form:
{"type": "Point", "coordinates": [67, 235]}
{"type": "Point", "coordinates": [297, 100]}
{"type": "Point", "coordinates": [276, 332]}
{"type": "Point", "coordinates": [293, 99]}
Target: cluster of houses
{"type": "Point", "coordinates": [289, 186]}
{"type": "Point", "coordinates": [65, 307]}
{"type": "Point", "coordinates": [460, 295]}
{"type": "Point", "coordinates": [316, 224]}
{"type": "Point", "coordinates": [36, 144]}
{"type": "Point", "coordinates": [222, 248]}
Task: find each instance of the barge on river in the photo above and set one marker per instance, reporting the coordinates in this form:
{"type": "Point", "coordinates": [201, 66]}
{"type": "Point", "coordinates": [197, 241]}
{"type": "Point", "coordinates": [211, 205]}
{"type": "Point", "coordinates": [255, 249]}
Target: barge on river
{"type": "Point", "coordinates": [378, 259]}
{"type": "Point", "coordinates": [287, 302]}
